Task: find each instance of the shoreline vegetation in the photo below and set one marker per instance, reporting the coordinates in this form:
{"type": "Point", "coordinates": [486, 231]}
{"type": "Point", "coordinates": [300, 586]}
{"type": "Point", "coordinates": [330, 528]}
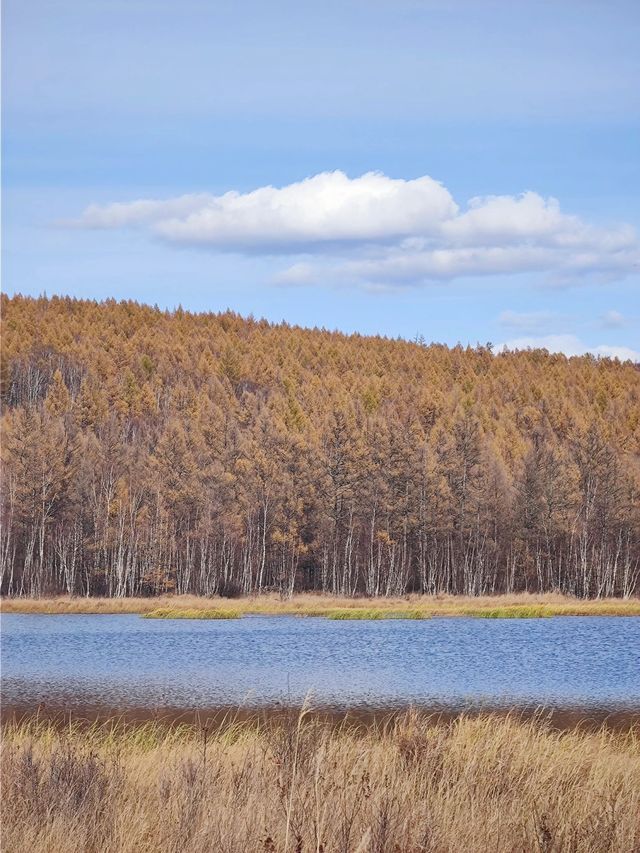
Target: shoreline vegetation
{"type": "Point", "coordinates": [296, 783]}
{"type": "Point", "coordinates": [522, 605]}
{"type": "Point", "coordinates": [177, 613]}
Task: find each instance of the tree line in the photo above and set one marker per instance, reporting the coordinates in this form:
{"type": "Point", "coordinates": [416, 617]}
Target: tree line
{"type": "Point", "coordinates": [147, 451]}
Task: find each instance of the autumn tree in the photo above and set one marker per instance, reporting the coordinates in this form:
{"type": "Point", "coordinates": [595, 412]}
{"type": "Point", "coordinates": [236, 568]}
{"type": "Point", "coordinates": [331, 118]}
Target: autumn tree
{"type": "Point", "coordinates": [147, 451]}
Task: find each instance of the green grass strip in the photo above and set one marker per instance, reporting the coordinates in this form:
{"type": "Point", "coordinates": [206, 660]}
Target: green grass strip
{"type": "Point", "coordinates": [516, 612]}
{"type": "Point", "coordinates": [165, 613]}
{"type": "Point", "coordinates": [374, 613]}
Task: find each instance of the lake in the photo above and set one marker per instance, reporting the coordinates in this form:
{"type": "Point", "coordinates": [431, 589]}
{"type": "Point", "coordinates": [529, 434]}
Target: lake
{"type": "Point", "coordinates": [125, 662]}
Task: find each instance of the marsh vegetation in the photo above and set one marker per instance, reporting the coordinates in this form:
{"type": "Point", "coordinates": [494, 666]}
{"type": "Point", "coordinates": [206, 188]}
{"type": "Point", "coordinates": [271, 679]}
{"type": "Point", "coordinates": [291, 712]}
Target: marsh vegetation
{"type": "Point", "coordinates": [296, 784]}
{"type": "Point", "coordinates": [194, 613]}
{"type": "Point", "coordinates": [523, 605]}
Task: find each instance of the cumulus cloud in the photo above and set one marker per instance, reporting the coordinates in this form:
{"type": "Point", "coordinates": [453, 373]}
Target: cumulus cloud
{"type": "Point", "coordinates": [378, 231]}
{"type": "Point", "coordinates": [570, 345]}
{"type": "Point", "coordinates": [326, 208]}
{"type": "Point", "coordinates": [507, 220]}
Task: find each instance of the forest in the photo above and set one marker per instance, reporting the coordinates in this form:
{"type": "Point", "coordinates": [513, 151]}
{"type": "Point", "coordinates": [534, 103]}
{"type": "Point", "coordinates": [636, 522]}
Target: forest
{"type": "Point", "coordinates": [147, 452]}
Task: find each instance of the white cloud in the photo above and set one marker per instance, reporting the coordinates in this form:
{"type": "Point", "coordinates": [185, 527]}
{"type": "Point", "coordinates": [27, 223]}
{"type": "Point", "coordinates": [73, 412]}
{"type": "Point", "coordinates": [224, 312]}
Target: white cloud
{"type": "Point", "coordinates": [403, 265]}
{"type": "Point", "coordinates": [380, 232]}
{"type": "Point", "coordinates": [613, 320]}
{"type": "Point", "coordinates": [507, 220]}
{"type": "Point", "coordinates": [527, 321]}
{"type": "Point", "coordinates": [622, 353]}
{"type": "Point", "coordinates": [326, 208]}
{"type": "Point", "coordinates": [296, 274]}
{"type": "Point", "coordinates": [142, 212]}
{"type": "Point", "coordinates": [570, 345]}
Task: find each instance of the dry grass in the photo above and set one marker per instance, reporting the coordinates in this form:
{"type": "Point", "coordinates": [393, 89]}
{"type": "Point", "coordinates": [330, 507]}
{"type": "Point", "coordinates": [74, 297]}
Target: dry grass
{"type": "Point", "coordinates": [300, 785]}
{"type": "Point", "coordinates": [308, 604]}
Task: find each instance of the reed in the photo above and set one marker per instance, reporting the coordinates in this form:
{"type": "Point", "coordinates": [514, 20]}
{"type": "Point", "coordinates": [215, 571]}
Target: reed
{"type": "Point", "coordinates": [316, 604]}
{"type": "Point", "coordinates": [299, 785]}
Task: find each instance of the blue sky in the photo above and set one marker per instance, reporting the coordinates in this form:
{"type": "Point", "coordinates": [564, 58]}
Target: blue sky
{"type": "Point", "coordinates": [466, 171]}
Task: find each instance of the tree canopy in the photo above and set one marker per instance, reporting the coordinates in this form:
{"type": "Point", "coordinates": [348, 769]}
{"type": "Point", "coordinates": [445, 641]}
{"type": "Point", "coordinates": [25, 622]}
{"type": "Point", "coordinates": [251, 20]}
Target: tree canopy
{"type": "Point", "coordinates": [147, 451]}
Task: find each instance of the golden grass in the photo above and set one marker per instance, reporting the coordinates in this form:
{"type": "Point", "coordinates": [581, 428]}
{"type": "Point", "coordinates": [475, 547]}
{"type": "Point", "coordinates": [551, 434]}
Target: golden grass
{"type": "Point", "coordinates": [177, 613]}
{"type": "Point", "coordinates": [523, 605]}
{"type": "Point", "coordinates": [299, 785]}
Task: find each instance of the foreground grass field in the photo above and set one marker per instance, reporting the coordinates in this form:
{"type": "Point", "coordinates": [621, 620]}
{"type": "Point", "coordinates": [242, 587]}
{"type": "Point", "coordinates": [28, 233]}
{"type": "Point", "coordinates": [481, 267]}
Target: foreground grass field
{"type": "Point", "coordinates": [297, 784]}
{"type": "Point", "coordinates": [522, 605]}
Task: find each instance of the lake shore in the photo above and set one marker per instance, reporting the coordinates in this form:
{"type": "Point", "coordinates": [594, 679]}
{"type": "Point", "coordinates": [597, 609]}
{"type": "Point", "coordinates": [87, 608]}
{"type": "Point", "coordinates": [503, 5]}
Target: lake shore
{"type": "Point", "coordinates": [298, 783]}
{"type": "Point", "coordinates": [60, 716]}
{"type": "Point", "coordinates": [520, 605]}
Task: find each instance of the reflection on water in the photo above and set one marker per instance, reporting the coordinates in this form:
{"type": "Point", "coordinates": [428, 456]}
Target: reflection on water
{"type": "Point", "coordinates": [128, 662]}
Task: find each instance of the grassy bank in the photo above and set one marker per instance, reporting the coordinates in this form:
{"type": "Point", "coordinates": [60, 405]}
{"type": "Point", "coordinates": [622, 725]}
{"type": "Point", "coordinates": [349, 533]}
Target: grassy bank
{"type": "Point", "coordinates": [299, 784]}
{"type": "Point", "coordinates": [307, 604]}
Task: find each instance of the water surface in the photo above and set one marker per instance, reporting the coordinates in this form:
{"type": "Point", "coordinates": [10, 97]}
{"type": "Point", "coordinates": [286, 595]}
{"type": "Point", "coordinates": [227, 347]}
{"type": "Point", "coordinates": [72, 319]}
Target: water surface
{"type": "Point", "coordinates": [123, 661]}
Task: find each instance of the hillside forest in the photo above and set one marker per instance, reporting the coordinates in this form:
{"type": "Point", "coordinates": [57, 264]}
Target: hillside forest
{"type": "Point", "coordinates": [148, 451]}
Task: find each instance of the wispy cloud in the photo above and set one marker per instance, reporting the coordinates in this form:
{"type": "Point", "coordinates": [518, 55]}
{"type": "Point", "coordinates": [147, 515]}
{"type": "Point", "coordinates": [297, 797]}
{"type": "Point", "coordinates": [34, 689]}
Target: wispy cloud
{"type": "Point", "coordinates": [528, 321]}
{"type": "Point", "coordinates": [296, 274]}
{"type": "Point", "coordinates": [614, 320]}
{"type": "Point", "coordinates": [380, 231]}
{"type": "Point", "coordinates": [570, 345]}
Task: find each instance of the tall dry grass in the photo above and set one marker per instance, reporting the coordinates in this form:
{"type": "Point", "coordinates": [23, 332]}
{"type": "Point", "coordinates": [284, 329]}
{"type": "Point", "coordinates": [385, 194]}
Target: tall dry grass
{"type": "Point", "coordinates": [301, 785]}
{"type": "Point", "coordinates": [310, 604]}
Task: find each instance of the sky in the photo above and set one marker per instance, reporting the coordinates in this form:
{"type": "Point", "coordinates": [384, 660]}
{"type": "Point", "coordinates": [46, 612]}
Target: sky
{"type": "Point", "coordinates": [461, 171]}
